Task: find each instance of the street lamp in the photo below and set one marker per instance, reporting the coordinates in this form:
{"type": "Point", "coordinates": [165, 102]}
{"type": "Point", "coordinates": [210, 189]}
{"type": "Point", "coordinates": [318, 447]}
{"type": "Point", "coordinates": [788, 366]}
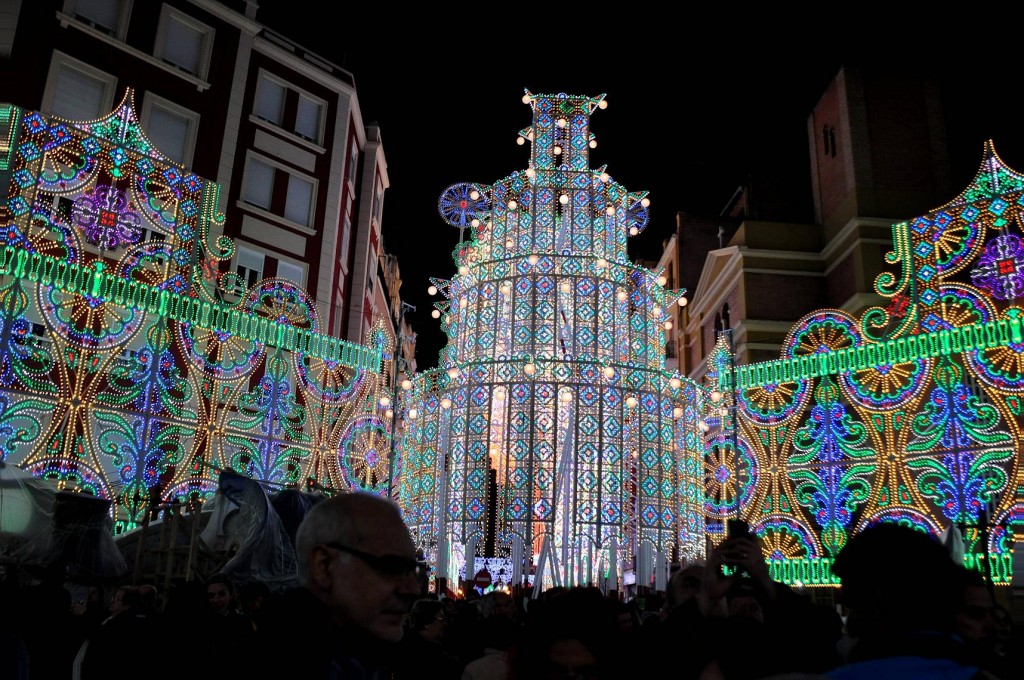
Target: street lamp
{"type": "Point", "coordinates": [396, 359]}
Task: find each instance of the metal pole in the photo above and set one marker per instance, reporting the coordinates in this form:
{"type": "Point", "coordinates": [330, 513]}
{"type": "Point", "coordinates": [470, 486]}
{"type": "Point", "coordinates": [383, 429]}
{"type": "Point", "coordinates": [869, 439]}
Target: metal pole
{"type": "Point", "coordinates": [733, 406]}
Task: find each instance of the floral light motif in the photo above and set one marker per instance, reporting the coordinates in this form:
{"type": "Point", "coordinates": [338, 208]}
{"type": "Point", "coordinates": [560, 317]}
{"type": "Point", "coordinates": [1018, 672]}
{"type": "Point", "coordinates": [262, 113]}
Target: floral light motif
{"type": "Point", "coordinates": [999, 268]}
{"type": "Point", "coordinates": [106, 218]}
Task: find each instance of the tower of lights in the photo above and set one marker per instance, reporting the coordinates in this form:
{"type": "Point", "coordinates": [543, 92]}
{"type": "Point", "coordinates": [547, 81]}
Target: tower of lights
{"type": "Point", "coordinates": [551, 433]}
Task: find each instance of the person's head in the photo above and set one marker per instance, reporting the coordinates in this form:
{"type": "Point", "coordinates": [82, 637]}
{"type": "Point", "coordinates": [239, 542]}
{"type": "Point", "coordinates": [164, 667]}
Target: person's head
{"type": "Point", "coordinates": [975, 620]}
{"type": "Point", "coordinates": [428, 619]}
{"type": "Point", "coordinates": [220, 594]}
{"type": "Point", "coordinates": [895, 579]}
{"type": "Point", "coordinates": [498, 603]}
{"type": "Point", "coordinates": [356, 555]}
{"type": "Point", "coordinates": [684, 584]}
{"type": "Point", "coordinates": [124, 599]}
{"type": "Point", "coordinates": [252, 596]}
{"type": "Point", "coordinates": [149, 598]}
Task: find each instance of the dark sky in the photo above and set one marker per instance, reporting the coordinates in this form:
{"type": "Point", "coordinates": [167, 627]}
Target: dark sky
{"type": "Point", "coordinates": [692, 111]}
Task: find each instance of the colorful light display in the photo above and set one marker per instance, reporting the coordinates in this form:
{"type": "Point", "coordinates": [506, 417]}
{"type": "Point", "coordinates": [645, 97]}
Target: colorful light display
{"type": "Point", "coordinates": [910, 414]}
{"type": "Point", "coordinates": [132, 365]}
{"type": "Point", "coordinates": [553, 382]}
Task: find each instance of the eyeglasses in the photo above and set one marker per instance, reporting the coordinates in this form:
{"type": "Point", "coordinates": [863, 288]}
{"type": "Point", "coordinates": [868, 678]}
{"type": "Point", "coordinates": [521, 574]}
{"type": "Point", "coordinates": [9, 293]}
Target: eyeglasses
{"type": "Point", "coordinates": [385, 565]}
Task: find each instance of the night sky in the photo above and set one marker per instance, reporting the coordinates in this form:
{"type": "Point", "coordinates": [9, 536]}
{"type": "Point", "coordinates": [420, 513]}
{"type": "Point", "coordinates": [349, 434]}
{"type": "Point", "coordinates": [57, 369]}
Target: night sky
{"type": "Point", "coordinates": [691, 112]}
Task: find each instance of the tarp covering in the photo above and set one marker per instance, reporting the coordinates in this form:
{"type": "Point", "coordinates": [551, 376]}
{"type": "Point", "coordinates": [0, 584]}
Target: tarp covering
{"type": "Point", "coordinates": [26, 518]}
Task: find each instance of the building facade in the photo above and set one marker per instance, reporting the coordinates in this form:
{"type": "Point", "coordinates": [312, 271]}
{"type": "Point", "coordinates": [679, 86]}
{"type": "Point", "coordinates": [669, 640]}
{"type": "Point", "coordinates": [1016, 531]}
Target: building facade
{"type": "Point", "coordinates": [277, 126]}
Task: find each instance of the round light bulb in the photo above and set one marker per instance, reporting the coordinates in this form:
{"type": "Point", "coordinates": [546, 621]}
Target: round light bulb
{"type": "Point", "coordinates": [633, 231]}
{"type": "Point", "coordinates": [565, 287]}
{"type": "Point", "coordinates": [605, 177]}
{"type": "Point", "coordinates": [609, 372]}
{"type": "Point", "coordinates": [656, 310]}
{"type": "Point", "coordinates": [526, 99]}
{"type": "Point", "coordinates": [557, 150]}
{"type": "Point", "coordinates": [668, 325]}
{"type": "Point", "coordinates": [512, 205]}
{"type": "Point", "coordinates": [631, 402]}
{"type": "Point", "coordinates": [413, 413]}
{"type": "Point", "coordinates": [406, 384]}
{"type": "Point", "coordinates": [563, 199]}
{"type": "Point", "coordinates": [520, 141]}
{"type": "Point", "coordinates": [436, 314]}
{"type": "Point", "coordinates": [474, 222]}
{"type": "Point", "coordinates": [384, 401]}
{"type": "Point", "coordinates": [601, 263]}
{"type": "Point", "coordinates": [603, 104]}
{"type": "Point", "coordinates": [463, 270]}
{"type": "Point", "coordinates": [453, 373]}
{"type": "Point", "coordinates": [716, 396]}
{"type": "Point", "coordinates": [675, 383]}
{"type": "Point", "coordinates": [463, 303]}
{"type": "Point", "coordinates": [529, 369]}
{"type": "Point", "coordinates": [682, 302]}
{"type": "Point", "coordinates": [610, 210]}
{"type": "Point", "coordinates": [506, 289]}
{"type": "Point", "coordinates": [474, 194]}
{"type": "Point", "coordinates": [646, 202]}
{"type": "Point", "coordinates": [662, 280]}
{"type": "Point", "coordinates": [622, 295]}
{"type": "Point", "coordinates": [432, 290]}
{"type": "Point", "coordinates": [530, 172]}
{"type": "Point", "coordinates": [533, 259]}
{"type": "Point", "coordinates": [593, 144]}
{"type": "Point", "coordinates": [565, 396]}
{"type": "Point", "coordinates": [509, 243]}
{"type": "Point", "coordinates": [446, 403]}
{"type": "Point", "coordinates": [562, 122]}
{"type": "Point", "coordinates": [677, 412]}
{"type": "Point", "coordinates": [389, 414]}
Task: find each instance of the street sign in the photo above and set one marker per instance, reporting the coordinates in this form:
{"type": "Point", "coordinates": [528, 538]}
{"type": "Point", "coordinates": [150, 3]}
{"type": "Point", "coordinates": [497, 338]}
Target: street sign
{"type": "Point", "coordinates": [482, 579]}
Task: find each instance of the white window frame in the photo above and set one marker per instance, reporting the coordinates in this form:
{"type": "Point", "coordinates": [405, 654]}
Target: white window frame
{"type": "Point", "coordinates": [245, 255]}
{"type": "Point", "coordinates": [265, 77]}
{"type": "Point", "coordinates": [278, 167]}
{"type": "Point", "coordinates": [297, 275]}
{"type": "Point", "coordinates": [321, 108]}
{"type": "Point", "coordinates": [289, 126]}
{"type": "Point", "coordinates": [191, 117]}
{"type": "Point", "coordinates": [58, 61]}
{"type": "Point", "coordinates": [246, 178]}
{"type": "Point", "coordinates": [119, 31]}
{"type": "Point", "coordinates": [207, 33]}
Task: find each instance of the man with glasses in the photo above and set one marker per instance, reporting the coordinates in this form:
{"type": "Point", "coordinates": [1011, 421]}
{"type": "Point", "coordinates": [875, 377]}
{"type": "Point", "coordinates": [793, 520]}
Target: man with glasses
{"type": "Point", "coordinates": [358, 576]}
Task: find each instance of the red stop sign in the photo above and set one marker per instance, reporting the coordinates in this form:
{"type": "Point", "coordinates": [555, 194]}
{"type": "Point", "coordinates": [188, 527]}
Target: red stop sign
{"type": "Point", "coordinates": [482, 578]}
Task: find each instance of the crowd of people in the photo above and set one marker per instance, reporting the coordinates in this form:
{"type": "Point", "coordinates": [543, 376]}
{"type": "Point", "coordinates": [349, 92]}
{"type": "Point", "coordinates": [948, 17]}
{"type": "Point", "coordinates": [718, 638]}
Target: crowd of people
{"type": "Point", "coordinates": [361, 612]}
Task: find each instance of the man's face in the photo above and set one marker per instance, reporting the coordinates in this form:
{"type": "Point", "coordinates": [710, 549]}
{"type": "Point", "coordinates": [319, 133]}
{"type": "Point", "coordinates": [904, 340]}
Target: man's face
{"type": "Point", "coordinates": [217, 597]}
{"type": "Point", "coordinates": [361, 595]}
{"type": "Point", "coordinates": [974, 621]}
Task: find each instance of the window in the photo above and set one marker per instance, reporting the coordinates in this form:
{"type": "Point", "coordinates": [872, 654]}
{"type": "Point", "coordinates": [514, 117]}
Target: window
{"type": "Point", "coordinates": [288, 108]}
{"type": "Point", "coordinates": [346, 234]}
{"type": "Point", "coordinates": [249, 265]}
{"type": "Point", "coordinates": [184, 42]}
{"type": "Point", "coordinates": [270, 101]}
{"type": "Point", "coordinates": [378, 201]}
{"type": "Point", "coordinates": [108, 16]}
{"type": "Point", "coordinates": [171, 128]}
{"type": "Point", "coordinates": [77, 91]}
{"type": "Point", "coordinates": [299, 203]}
{"type": "Point", "coordinates": [291, 272]}
{"type": "Point", "coordinates": [353, 163]}
{"type": "Point", "coordinates": [259, 184]}
{"type": "Point", "coordinates": [299, 192]}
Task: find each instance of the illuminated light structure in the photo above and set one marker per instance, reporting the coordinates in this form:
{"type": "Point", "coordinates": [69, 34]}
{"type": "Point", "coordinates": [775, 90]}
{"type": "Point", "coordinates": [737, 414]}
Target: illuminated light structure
{"type": "Point", "coordinates": [132, 366]}
{"type": "Point", "coordinates": [911, 413]}
{"type": "Point", "coordinates": [553, 382]}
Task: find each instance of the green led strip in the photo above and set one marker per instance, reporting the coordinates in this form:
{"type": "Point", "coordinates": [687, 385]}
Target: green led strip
{"type": "Point", "coordinates": [97, 284]}
{"type": "Point", "coordinates": [9, 119]}
{"type": "Point", "coordinates": [817, 571]}
{"type": "Point", "coordinates": [980, 336]}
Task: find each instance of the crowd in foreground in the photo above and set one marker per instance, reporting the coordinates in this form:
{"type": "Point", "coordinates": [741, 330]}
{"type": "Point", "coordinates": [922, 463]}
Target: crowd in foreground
{"type": "Point", "coordinates": [361, 613]}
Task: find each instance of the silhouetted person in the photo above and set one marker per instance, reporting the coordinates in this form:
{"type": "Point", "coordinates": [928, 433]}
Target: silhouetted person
{"type": "Point", "coordinates": [421, 653]}
{"type": "Point", "coordinates": [902, 591]}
